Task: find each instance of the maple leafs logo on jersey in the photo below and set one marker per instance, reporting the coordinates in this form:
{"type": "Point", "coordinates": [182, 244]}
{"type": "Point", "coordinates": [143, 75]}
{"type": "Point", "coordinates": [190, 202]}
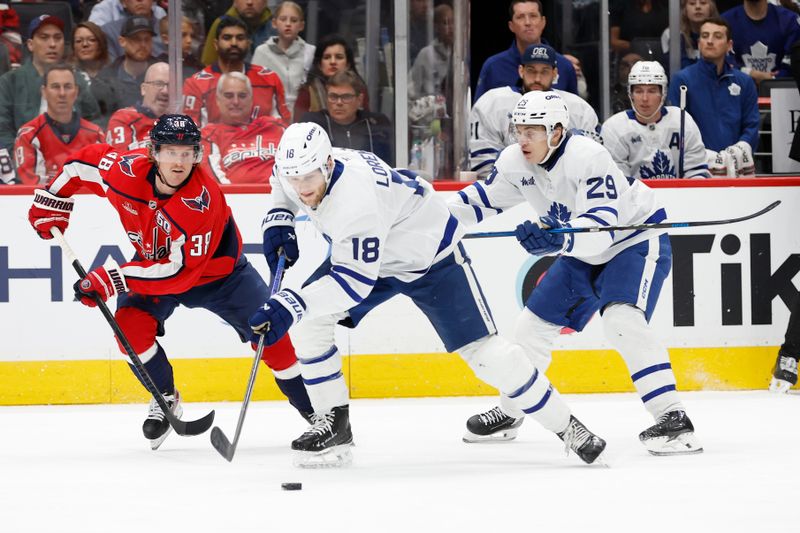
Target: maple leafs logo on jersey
{"type": "Point", "coordinates": [759, 58]}
{"type": "Point", "coordinates": [662, 168]}
{"type": "Point", "coordinates": [199, 203]}
{"type": "Point", "coordinates": [126, 164]}
{"type": "Point", "coordinates": [559, 212]}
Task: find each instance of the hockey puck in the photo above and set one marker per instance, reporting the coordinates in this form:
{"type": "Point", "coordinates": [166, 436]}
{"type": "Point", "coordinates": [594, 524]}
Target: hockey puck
{"type": "Point", "coordinates": [292, 486]}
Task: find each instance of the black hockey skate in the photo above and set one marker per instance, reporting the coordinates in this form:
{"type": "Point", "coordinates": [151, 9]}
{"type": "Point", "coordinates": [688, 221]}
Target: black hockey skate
{"type": "Point", "coordinates": [156, 428]}
{"type": "Point", "coordinates": [784, 373]}
{"type": "Point", "coordinates": [673, 434]}
{"type": "Point", "coordinates": [326, 443]}
{"type": "Point", "coordinates": [583, 442]}
{"type": "Point", "coordinates": [492, 426]}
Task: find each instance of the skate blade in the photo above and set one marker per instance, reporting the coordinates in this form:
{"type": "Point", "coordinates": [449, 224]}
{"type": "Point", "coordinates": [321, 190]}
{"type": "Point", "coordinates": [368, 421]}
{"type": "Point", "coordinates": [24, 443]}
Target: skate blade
{"type": "Point", "coordinates": [155, 443]}
{"type": "Point", "coordinates": [334, 457]}
{"type": "Point", "coordinates": [500, 436]}
{"type": "Point", "coordinates": [683, 444]}
{"type": "Point", "coordinates": [779, 386]}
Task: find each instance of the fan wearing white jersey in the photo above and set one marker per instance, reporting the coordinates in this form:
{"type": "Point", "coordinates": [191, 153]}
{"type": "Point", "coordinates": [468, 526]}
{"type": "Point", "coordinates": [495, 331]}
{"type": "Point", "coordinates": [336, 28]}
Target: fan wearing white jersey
{"type": "Point", "coordinates": [389, 234]}
{"type": "Point", "coordinates": [573, 182]}
{"type": "Point", "coordinates": [490, 117]}
{"type": "Point", "coordinates": [645, 141]}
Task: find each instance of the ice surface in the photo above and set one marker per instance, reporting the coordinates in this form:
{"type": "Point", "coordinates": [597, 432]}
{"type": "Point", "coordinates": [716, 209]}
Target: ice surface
{"type": "Point", "coordinates": [88, 469]}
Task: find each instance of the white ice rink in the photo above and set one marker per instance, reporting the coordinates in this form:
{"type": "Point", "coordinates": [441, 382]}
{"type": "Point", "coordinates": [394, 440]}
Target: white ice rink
{"type": "Point", "coordinates": [88, 469]}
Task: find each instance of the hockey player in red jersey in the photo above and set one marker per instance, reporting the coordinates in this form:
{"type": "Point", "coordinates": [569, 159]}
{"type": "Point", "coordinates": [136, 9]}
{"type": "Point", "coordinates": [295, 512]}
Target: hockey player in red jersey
{"type": "Point", "coordinates": [238, 149]}
{"type": "Point", "coordinates": [188, 251]}
{"type": "Point", "coordinates": [129, 127]}
{"type": "Point", "coordinates": [232, 43]}
{"type": "Point", "coordinates": [44, 143]}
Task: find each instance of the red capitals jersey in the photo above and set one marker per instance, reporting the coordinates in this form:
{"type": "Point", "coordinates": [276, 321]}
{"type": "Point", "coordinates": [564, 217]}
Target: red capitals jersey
{"type": "Point", "coordinates": [42, 146]}
{"type": "Point", "coordinates": [129, 128]}
{"type": "Point", "coordinates": [242, 154]}
{"type": "Point", "coordinates": [200, 94]}
{"type": "Point", "coordinates": [181, 241]}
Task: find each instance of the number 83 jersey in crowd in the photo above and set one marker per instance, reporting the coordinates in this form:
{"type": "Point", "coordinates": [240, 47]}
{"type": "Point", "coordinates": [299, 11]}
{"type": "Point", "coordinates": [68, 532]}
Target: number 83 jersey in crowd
{"type": "Point", "coordinates": [580, 185]}
{"type": "Point", "coordinates": [182, 240]}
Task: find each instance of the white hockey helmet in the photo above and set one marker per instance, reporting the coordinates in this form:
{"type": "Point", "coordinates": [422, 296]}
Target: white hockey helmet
{"type": "Point", "coordinates": [304, 148]}
{"type": "Point", "coordinates": [647, 73]}
{"type": "Point", "coordinates": [542, 108]}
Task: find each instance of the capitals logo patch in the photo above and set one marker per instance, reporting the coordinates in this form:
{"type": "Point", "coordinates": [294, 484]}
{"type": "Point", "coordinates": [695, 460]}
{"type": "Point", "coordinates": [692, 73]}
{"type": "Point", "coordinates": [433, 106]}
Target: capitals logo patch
{"type": "Point", "coordinates": [199, 203]}
{"type": "Point", "coordinates": [126, 164]}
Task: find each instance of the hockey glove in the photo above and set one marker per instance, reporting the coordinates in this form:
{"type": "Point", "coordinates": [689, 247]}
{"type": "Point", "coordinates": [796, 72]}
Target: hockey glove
{"type": "Point", "coordinates": [742, 156]}
{"type": "Point", "coordinates": [537, 241]}
{"type": "Point", "coordinates": [278, 228]}
{"type": "Point", "coordinates": [104, 281]}
{"type": "Point", "coordinates": [275, 317]}
{"type": "Point", "coordinates": [49, 211]}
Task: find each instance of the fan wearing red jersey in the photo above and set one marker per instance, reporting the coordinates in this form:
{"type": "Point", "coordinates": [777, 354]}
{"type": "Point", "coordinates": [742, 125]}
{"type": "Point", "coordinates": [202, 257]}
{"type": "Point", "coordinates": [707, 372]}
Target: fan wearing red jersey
{"type": "Point", "coordinates": [129, 127]}
{"type": "Point", "coordinates": [188, 251]}
{"type": "Point", "coordinates": [44, 143]}
{"type": "Point", "coordinates": [232, 43]}
{"type": "Point", "coordinates": [239, 149]}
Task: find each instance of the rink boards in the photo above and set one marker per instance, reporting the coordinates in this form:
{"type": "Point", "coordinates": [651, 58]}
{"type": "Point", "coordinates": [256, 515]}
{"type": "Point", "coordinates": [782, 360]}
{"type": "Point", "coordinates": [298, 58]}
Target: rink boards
{"type": "Point", "coordinates": [722, 311]}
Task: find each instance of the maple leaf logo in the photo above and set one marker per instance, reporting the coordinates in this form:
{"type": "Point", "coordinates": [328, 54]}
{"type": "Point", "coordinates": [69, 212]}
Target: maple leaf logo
{"type": "Point", "coordinates": [759, 58]}
{"type": "Point", "coordinates": [559, 212]}
{"type": "Point", "coordinates": [662, 168]}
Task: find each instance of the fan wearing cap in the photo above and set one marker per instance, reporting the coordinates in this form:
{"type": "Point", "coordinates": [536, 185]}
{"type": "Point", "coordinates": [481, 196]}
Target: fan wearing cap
{"type": "Point", "coordinates": [142, 9]}
{"type": "Point", "coordinates": [20, 89]}
{"type": "Point", "coordinates": [491, 114]}
{"type": "Point", "coordinates": [126, 74]}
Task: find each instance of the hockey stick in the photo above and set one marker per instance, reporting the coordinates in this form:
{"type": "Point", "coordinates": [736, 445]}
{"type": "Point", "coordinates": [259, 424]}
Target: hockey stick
{"type": "Point", "coordinates": [192, 427]}
{"type": "Point", "coordinates": [682, 145]}
{"type": "Point", "coordinates": [220, 442]}
{"type": "Point", "coordinates": [657, 225]}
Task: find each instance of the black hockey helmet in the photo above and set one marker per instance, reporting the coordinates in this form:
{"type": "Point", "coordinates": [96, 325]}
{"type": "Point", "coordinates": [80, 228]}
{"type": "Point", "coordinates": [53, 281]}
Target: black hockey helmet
{"type": "Point", "coordinates": [175, 129]}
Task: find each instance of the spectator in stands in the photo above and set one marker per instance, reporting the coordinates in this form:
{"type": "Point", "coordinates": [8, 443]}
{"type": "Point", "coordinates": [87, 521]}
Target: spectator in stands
{"type": "Point", "coordinates": [106, 11]}
{"type": "Point", "coordinates": [693, 13]}
{"type": "Point", "coordinates": [238, 148]}
{"type": "Point", "coordinates": [645, 142]}
{"type": "Point", "coordinates": [419, 27]}
{"type": "Point", "coordinates": [44, 143]}
{"type": "Point", "coordinates": [526, 22]}
{"type": "Point", "coordinates": [331, 55]}
{"type": "Point", "coordinates": [723, 102]}
{"type": "Point", "coordinates": [433, 63]}
{"type": "Point", "coordinates": [347, 125]}
{"type": "Point", "coordinates": [114, 29]}
{"type": "Point", "coordinates": [20, 89]}
{"type": "Point", "coordinates": [762, 36]}
{"type": "Point", "coordinates": [619, 90]}
{"type": "Point", "coordinates": [638, 20]}
{"type": "Point", "coordinates": [287, 53]}
{"type": "Point", "coordinates": [10, 38]}
{"type": "Point", "coordinates": [490, 117]}
{"type": "Point", "coordinates": [258, 23]}
{"type": "Point", "coordinates": [90, 57]}
{"type": "Point", "coordinates": [190, 64]}
{"type": "Point", "coordinates": [129, 127]}
{"type": "Point", "coordinates": [126, 74]}
{"type": "Point", "coordinates": [232, 43]}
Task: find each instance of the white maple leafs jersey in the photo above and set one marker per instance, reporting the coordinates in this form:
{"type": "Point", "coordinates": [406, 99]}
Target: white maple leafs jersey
{"type": "Point", "coordinates": [490, 121]}
{"type": "Point", "coordinates": [580, 185]}
{"type": "Point", "coordinates": [652, 151]}
{"type": "Point", "coordinates": [379, 222]}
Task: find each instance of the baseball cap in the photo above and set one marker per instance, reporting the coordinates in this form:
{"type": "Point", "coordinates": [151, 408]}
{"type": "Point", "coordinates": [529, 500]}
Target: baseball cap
{"type": "Point", "coordinates": [539, 53]}
{"type": "Point", "coordinates": [43, 19]}
{"type": "Point", "coordinates": [136, 24]}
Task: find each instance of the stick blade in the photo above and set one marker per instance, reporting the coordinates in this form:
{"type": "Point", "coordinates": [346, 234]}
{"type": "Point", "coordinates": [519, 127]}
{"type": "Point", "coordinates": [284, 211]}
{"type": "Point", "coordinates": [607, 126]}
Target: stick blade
{"type": "Point", "coordinates": [192, 427]}
{"type": "Point", "coordinates": [221, 443]}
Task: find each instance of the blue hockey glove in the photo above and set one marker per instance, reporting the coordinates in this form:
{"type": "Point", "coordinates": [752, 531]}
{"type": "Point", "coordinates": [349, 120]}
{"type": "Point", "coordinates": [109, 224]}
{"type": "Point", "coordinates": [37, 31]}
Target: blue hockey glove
{"type": "Point", "coordinates": [537, 241]}
{"type": "Point", "coordinates": [275, 317]}
{"type": "Point", "coordinates": [278, 228]}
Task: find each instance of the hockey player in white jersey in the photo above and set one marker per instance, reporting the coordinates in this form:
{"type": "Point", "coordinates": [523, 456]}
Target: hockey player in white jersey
{"type": "Point", "coordinates": [389, 234]}
{"type": "Point", "coordinates": [490, 117]}
{"type": "Point", "coordinates": [571, 180]}
{"type": "Point", "coordinates": [645, 141]}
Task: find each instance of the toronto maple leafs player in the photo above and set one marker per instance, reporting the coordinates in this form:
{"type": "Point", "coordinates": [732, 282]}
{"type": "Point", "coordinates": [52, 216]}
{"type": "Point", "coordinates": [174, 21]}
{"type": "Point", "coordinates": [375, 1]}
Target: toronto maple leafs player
{"type": "Point", "coordinates": [389, 234]}
{"type": "Point", "coordinates": [188, 252]}
{"type": "Point", "coordinates": [572, 181]}
{"type": "Point", "coordinates": [490, 117]}
{"type": "Point", "coordinates": [645, 141]}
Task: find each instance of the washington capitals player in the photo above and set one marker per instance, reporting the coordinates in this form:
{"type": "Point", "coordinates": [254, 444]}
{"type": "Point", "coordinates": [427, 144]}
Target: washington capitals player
{"type": "Point", "coordinates": [645, 140]}
{"type": "Point", "coordinates": [389, 234]}
{"type": "Point", "coordinates": [572, 181]}
{"type": "Point", "coordinates": [490, 117]}
{"type": "Point", "coordinates": [188, 251]}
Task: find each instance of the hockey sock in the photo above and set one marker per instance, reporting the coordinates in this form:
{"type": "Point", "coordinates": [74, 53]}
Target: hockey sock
{"type": "Point", "coordinates": [295, 391]}
{"type": "Point", "coordinates": [323, 379]}
{"type": "Point", "coordinates": [160, 370]}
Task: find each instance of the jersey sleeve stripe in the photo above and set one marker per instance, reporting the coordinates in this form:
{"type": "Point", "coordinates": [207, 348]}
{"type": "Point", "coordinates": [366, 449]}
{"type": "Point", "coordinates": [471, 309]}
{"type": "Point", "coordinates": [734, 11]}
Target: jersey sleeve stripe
{"type": "Point", "coordinates": [604, 208]}
{"type": "Point", "coordinates": [353, 274]}
{"type": "Point", "coordinates": [346, 288]}
{"type": "Point", "coordinates": [482, 164]}
{"type": "Point", "coordinates": [483, 196]}
{"type": "Point", "coordinates": [478, 213]}
{"type": "Point", "coordinates": [484, 151]}
{"type": "Point", "coordinates": [595, 218]}
{"type": "Point", "coordinates": [449, 231]}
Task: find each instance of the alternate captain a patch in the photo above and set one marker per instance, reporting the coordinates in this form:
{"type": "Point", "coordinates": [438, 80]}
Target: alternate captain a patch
{"type": "Point", "coordinates": [199, 203]}
{"type": "Point", "coordinates": [126, 164]}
